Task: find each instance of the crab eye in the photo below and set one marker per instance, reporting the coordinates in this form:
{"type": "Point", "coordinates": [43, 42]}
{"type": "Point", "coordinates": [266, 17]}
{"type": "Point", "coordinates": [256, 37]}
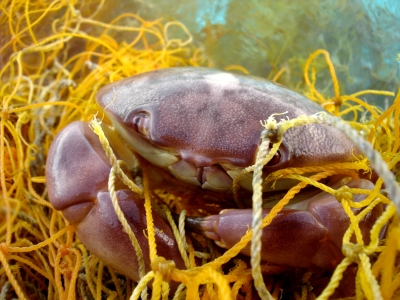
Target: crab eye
{"type": "Point", "coordinates": [141, 123]}
{"type": "Point", "coordinates": [274, 160]}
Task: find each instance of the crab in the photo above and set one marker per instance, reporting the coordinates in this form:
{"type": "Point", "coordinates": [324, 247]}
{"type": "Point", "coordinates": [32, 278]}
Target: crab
{"type": "Point", "coordinates": [197, 129]}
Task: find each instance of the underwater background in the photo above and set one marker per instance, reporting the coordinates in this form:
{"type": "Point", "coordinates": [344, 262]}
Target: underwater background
{"type": "Point", "coordinates": [362, 36]}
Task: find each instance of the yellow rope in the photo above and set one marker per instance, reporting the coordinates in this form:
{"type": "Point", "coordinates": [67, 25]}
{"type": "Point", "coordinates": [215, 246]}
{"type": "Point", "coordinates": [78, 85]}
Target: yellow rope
{"type": "Point", "coordinates": [10, 276]}
{"type": "Point", "coordinates": [87, 269]}
{"type": "Point", "coordinates": [95, 125]}
{"type": "Point", "coordinates": [180, 240]}
{"type": "Point", "coordinates": [40, 245]}
{"type": "Point", "coordinates": [46, 83]}
{"type": "Point", "coordinates": [263, 155]}
{"type": "Point", "coordinates": [179, 294]}
{"type": "Point", "coordinates": [149, 216]}
{"type": "Point", "coordinates": [124, 222]}
{"type": "Point", "coordinates": [336, 277]}
{"type": "Point", "coordinates": [142, 285]}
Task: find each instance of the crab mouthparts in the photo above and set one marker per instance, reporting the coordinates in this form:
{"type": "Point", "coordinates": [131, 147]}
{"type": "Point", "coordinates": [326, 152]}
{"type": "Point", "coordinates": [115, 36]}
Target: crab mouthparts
{"type": "Point", "coordinates": [212, 178]}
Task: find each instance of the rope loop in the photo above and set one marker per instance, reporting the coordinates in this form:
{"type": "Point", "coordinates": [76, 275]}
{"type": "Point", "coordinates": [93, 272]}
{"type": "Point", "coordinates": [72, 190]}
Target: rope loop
{"type": "Point", "coordinates": [163, 266]}
{"type": "Point", "coordinates": [344, 194]}
{"type": "Point", "coordinates": [353, 251]}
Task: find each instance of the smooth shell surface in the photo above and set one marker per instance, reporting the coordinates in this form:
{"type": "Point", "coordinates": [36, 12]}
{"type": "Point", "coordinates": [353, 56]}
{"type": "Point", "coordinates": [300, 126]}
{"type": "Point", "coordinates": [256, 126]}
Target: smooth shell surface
{"type": "Point", "coordinates": [206, 117]}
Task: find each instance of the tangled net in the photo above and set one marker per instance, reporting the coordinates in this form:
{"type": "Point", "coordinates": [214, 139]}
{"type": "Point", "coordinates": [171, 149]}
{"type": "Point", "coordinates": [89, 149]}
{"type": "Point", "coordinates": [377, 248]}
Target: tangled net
{"type": "Point", "coordinates": [49, 76]}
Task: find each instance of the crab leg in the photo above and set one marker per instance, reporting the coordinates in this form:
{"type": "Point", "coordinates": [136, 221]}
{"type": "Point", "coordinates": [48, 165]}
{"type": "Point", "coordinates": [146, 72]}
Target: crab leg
{"type": "Point", "coordinates": [297, 238]}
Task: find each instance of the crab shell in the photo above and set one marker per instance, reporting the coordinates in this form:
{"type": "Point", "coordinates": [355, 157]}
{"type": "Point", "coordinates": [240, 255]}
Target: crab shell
{"type": "Point", "coordinates": [202, 126]}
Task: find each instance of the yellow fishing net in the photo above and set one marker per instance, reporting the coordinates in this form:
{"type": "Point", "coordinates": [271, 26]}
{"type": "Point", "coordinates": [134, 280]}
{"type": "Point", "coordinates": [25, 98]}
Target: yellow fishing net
{"type": "Point", "coordinates": [54, 56]}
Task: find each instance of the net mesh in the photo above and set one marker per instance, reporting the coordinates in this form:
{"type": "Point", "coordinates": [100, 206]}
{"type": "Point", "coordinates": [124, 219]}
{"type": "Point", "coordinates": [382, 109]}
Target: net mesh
{"type": "Point", "coordinates": [54, 56]}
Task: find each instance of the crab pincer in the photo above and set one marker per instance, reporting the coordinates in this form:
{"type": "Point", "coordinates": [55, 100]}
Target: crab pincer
{"type": "Point", "coordinates": [77, 177]}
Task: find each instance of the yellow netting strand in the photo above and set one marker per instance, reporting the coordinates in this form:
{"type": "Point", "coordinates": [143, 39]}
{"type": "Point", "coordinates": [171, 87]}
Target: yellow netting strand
{"type": "Point", "coordinates": [236, 186]}
{"type": "Point", "coordinates": [313, 90]}
{"type": "Point", "coordinates": [157, 286]}
{"type": "Point", "coordinates": [39, 245]}
{"type": "Point", "coordinates": [99, 277]}
{"type": "Point", "coordinates": [95, 125]}
{"type": "Point", "coordinates": [262, 155]}
{"type": "Point", "coordinates": [115, 280]}
{"type": "Point", "coordinates": [86, 265]}
{"type": "Point", "coordinates": [182, 245]}
{"type": "Point", "coordinates": [10, 275]}
{"type": "Point", "coordinates": [124, 222]}
{"type": "Point", "coordinates": [354, 220]}
{"type": "Point", "coordinates": [389, 258]}
{"type": "Point", "coordinates": [149, 215]}
{"type": "Point", "coordinates": [336, 277]}
{"type": "Point", "coordinates": [371, 280]}
{"type": "Point", "coordinates": [180, 293]}
{"type": "Point", "coordinates": [182, 231]}
{"type": "Point", "coordinates": [116, 170]}
{"type": "Point", "coordinates": [71, 290]}
{"type": "Point", "coordinates": [345, 197]}
{"type": "Point", "coordinates": [337, 167]}
{"type": "Point", "coordinates": [44, 77]}
{"type": "Point", "coordinates": [374, 157]}
{"type": "Point", "coordinates": [142, 284]}
{"type": "Point", "coordinates": [395, 107]}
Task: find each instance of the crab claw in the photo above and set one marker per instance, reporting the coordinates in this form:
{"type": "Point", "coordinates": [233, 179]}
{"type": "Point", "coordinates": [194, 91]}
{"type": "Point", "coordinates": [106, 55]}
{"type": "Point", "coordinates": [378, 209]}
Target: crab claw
{"type": "Point", "coordinates": [77, 175]}
{"type": "Point", "coordinates": [297, 238]}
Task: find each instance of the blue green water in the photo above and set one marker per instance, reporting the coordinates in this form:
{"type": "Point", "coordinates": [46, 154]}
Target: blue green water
{"type": "Point", "coordinates": [264, 36]}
